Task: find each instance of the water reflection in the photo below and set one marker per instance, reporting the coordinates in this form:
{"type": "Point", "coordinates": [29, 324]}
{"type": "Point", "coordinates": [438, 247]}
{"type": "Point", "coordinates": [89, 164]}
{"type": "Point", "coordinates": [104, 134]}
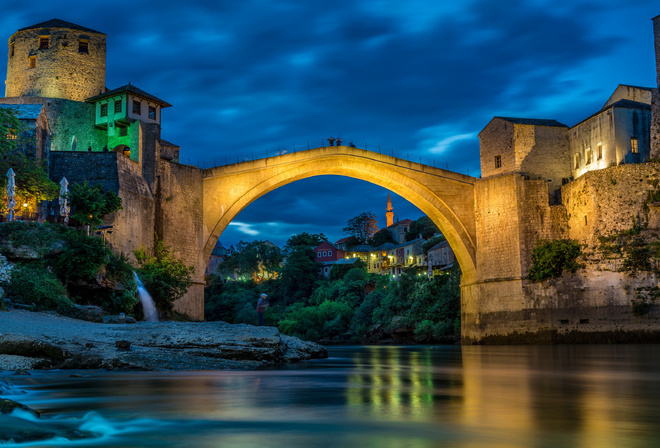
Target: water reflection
{"type": "Point", "coordinates": [543, 396]}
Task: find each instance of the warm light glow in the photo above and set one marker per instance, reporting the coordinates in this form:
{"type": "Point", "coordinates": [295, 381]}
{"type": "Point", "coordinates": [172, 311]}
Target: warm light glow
{"type": "Point", "coordinates": [25, 204]}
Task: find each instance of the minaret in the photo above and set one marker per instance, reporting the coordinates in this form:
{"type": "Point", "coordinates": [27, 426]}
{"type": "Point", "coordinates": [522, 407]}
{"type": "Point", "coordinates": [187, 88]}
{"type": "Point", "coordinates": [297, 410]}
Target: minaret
{"type": "Point", "coordinates": [389, 214]}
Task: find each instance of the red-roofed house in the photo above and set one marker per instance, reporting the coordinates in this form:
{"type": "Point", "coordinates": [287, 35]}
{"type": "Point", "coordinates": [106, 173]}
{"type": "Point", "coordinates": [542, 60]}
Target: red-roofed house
{"type": "Point", "coordinates": [328, 252]}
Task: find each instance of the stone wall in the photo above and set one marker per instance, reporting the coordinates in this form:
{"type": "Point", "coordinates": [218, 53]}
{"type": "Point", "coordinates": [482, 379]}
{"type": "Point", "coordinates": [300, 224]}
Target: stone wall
{"type": "Point", "coordinates": [61, 71]}
{"type": "Point", "coordinates": [655, 103]}
{"type": "Point", "coordinates": [544, 151]}
{"type": "Point", "coordinates": [179, 222]}
{"type": "Point", "coordinates": [496, 139]}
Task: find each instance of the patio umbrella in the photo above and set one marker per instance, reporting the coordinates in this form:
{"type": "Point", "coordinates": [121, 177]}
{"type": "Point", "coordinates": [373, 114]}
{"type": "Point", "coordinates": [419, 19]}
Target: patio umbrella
{"type": "Point", "coordinates": [64, 200]}
{"type": "Point", "coordinates": [11, 194]}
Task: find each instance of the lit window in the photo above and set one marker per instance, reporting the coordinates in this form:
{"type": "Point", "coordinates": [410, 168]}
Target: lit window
{"type": "Point", "coordinates": [104, 110]}
{"type": "Point", "coordinates": [152, 113]}
{"type": "Point", "coordinates": [83, 46]}
{"type": "Point", "coordinates": [498, 162]}
{"type": "Point", "coordinates": [633, 145]}
{"type": "Point", "coordinates": [600, 152]}
{"type": "Point", "coordinates": [43, 42]}
{"type": "Point", "coordinates": [32, 61]}
{"type": "Point", "coordinates": [11, 134]}
{"type": "Point", "coordinates": [118, 107]}
{"type": "Point", "coordinates": [136, 107]}
{"type": "Point", "coordinates": [587, 159]}
{"type": "Point", "coordinates": [576, 163]}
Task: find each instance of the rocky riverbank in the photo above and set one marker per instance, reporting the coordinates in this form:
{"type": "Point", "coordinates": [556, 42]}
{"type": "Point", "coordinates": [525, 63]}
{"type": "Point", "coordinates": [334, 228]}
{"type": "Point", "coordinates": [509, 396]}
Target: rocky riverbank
{"type": "Point", "coordinates": [30, 340]}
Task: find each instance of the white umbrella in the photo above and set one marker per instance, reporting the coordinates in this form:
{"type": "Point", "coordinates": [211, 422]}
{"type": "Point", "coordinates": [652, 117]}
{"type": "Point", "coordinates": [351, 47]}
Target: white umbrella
{"type": "Point", "coordinates": [11, 194]}
{"type": "Point", "coordinates": [64, 200]}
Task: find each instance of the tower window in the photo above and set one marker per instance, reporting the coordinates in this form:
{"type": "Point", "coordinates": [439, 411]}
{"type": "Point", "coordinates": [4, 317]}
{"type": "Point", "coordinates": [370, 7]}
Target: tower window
{"type": "Point", "coordinates": [152, 112]}
{"type": "Point", "coordinates": [32, 61]}
{"type": "Point", "coordinates": [43, 42]}
{"type": "Point", "coordinates": [136, 107]}
{"type": "Point", "coordinates": [576, 162]}
{"type": "Point", "coordinates": [11, 49]}
{"type": "Point", "coordinates": [118, 107]}
{"type": "Point", "coordinates": [83, 46]}
{"type": "Point", "coordinates": [633, 146]}
{"type": "Point", "coordinates": [104, 110]}
{"type": "Point", "coordinates": [600, 152]}
{"type": "Point", "coordinates": [498, 162]}
{"type": "Point", "coordinates": [587, 160]}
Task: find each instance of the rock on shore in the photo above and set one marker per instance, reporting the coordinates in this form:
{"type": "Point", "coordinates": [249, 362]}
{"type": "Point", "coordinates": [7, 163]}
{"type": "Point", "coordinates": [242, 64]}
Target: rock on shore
{"type": "Point", "coordinates": [48, 341]}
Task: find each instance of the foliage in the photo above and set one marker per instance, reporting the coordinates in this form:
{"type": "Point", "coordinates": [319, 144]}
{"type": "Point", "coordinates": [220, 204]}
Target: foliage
{"type": "Point", "coordinates": [303, 239]}
{"type": "Point", "coordinates": [34, 284]}
{"type": "Point", "coordinates": [92, 202]}
{"type": "Point", "coordinates": [339, 270]}
{"type": "Point", "coordinates": [362, 227]}
{"type": "Point", "coordinates": [10, 126]}
{"type": "Point", "coordinates": [381, 237]}
{"type": "Point", "coordinates": [422, 226]}
{"type": "Point", "coordinates": [32, 182]}
{"type": "Point", "coordinates": [638, 258]}
{"type": "Point", "coordinates": [250, 258]}
{"type": "Point", "coordinates": [82, 258]}
{"type": "Point", "coordinates": [165, 277]}
{"type": "Point", "coordinates": [299, 274]}
{"type": "Point", "coordinates": [551, 258]}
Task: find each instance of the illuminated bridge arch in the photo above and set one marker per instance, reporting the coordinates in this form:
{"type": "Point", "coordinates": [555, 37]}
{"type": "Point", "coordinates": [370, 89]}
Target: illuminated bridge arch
{"type": "Point", "coordinates": [444, 196]}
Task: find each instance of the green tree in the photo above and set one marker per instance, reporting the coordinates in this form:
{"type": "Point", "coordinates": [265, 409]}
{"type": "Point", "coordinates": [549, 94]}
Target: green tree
{"type": "Point", "coordinates": [250, 258]}
{"type": "Point", "coordinates": [381, 237]}
{"type": "Point", "coordinates": [299, 274]}
{"type": "Point", "coordinates": [92, 202]}
{"type": "Point", "coordinates": [10, 130]}
{"type": "Point", "coordinates": [362, 227]}
{"type": "Point", "coordinates": [551, 258]}
{"type": "Point", "coordinates": [304, 239]}
{"type": "Point", "coordinates": [422, 226]}
{"type": "Point", "coordinates": [166, 278]}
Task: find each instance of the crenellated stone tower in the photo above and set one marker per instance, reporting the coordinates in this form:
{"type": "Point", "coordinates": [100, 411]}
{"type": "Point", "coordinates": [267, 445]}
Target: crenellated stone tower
{"type": "Point", "coordinates": [56, 59]}
{"type": "Point", "coordinates": [655, 102]}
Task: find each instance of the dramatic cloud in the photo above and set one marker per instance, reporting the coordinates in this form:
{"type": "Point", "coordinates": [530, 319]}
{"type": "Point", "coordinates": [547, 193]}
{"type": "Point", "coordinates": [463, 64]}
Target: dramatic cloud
{"type": "Point", "coordinates": [417, 78]}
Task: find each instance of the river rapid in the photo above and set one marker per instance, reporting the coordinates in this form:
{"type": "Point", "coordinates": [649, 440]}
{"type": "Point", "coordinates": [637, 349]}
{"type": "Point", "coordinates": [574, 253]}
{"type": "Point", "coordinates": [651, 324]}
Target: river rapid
{"type": "Point", "coordinates": [381, 396]}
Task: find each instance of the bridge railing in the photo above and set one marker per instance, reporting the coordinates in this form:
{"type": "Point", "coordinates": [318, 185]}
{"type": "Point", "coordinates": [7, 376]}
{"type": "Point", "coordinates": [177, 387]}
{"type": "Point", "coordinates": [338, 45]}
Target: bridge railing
{"type": "Point", "coordinates": [280, 150]}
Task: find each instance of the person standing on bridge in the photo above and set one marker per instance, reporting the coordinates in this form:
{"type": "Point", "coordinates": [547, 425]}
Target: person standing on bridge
{"type": "Point", "coordinates": [338, 142]}
{"type": "Point", "coordinates": [332, 141]}
{"type": "Point", "coordinates": [262, 304]}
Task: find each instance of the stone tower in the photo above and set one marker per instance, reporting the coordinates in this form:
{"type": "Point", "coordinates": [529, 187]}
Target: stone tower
{"type": "Point", "coordinates": [655, 101]}
{"type": "Point", "coordinates": [390, 213]}
{"type": "Point", "coordinates": [56, 59]}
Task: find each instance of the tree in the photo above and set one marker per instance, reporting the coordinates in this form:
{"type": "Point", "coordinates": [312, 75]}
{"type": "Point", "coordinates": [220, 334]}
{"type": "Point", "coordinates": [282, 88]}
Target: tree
{"type": "Point", "coordinates": [422, 226]}
{"type": "Point", "coordinates": [381, 237]}
{"type": "Point", "coordinates": [92, 202]}
{"type": "Point", "coordinates": [304, 240]}
{"type": "Point", "coordinates": [251, 258]}
{"type": "Point", "coordinates": [362, 227]}
{"type": "Point", "coordinates": [10, 129]}
{"type": "Point", "coordinates": [299, 274]}
{"type": "Point", "coordinates": [165, 277]}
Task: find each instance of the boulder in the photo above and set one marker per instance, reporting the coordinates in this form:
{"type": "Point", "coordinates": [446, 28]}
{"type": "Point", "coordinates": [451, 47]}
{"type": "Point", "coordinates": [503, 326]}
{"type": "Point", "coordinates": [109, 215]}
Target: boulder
{"type": "Point", "coordinates": [8, 406]}
{"type": "Point", "coordinates": [30, 347]}
{"type": "Point", "coordinates": [295, 349]}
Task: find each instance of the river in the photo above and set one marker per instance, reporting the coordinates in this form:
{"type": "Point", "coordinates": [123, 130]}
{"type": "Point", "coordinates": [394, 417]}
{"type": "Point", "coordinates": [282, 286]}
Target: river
{"type": "Point", "coordinates": [451, 396]}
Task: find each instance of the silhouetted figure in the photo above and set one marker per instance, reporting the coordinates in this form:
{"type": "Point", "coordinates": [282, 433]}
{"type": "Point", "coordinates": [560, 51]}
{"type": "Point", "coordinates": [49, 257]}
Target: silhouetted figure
{"type": "Point", "coordinates": [352, 145]}
{"type": "Point", "coordinates": [338, 142]}
{"type": "Point", "coordinates": [332, 141]}
{"type": "Point", "coordinates": [262, 304]}
{"type": "Point", "coordinates": [89, 149]}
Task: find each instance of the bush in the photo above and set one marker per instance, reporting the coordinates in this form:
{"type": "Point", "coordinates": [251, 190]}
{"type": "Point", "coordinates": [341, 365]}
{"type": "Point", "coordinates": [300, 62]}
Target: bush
{"type": "Point", "coordinates": [33, 284]}
{"type": "Point", "coordinates": [551, 258]}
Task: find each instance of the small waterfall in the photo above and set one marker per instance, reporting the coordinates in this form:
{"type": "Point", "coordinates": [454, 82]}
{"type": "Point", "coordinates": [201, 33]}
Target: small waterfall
{"type": "Point", "coordinates": [148, 305]}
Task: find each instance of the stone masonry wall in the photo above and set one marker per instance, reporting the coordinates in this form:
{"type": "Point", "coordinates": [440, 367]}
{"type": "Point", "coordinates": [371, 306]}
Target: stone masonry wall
{"type": "Point", "coordinates": [179, 222]}
{"type": "Point", "coordinates": [543, 151]}
{"type": "Point", "coordinates": [496, 139]}
{"type": "Point", "coordinates": [655, 102]}
{"type": "Point", "coordinates": [61, 71]}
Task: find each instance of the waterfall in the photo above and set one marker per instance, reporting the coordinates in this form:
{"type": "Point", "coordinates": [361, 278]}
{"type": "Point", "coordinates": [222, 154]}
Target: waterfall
{"type": "Point", "coordinates": [148, 306]}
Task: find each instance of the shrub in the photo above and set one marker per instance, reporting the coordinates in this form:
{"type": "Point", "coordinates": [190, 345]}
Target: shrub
{"type": "Point", "coordinates": [33, 284]}
{"type": "Point", "coordinates": [551, 258]}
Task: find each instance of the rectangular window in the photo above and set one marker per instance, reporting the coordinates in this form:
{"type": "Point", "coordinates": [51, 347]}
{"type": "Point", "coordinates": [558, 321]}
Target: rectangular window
{"type": "Point", "coordinates": [329, 253]}
{"type": "Point", "coordinates": [152, 113]}
{"type": "Point", "coordinates": [32, 61]}
{"type": "Point", "coordinates": [600, 152]}
{"type": "Point", "coordinates": [136, 107]}
{"type": "Point", "coordinates": [83, 46]}
{"type": "Point", "coordinates": [118, 107]}
{"type": "Point", "coordinates": [11, 50]}
{"type": "Point", "coordinates": [318, 254]}
{"type": "Point", "coordinates": [498, 162]}
{"type": "Point", "coordinates": [633, 146]}
{"type": "Point", "coordinates": [587, 159]}
{"type": "Point", "coordinates": [43, 42]}
{"type": "Point", "coordinates": [324, 253]}
{"type": "Point", "coordinates": [576, 162]}
{"type": "Point", "coordinates": [104, 110]}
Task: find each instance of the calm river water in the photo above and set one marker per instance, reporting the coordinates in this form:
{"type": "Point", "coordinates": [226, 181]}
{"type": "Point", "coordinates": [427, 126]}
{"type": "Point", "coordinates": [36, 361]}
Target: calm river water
{"type": "Point", "coordinates": [449, 396]}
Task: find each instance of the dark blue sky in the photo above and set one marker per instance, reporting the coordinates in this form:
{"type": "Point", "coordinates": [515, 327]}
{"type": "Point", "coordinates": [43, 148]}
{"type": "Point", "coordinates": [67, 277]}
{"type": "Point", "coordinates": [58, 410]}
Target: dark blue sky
{"type": "Point", "coordinates": [422, 77]}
